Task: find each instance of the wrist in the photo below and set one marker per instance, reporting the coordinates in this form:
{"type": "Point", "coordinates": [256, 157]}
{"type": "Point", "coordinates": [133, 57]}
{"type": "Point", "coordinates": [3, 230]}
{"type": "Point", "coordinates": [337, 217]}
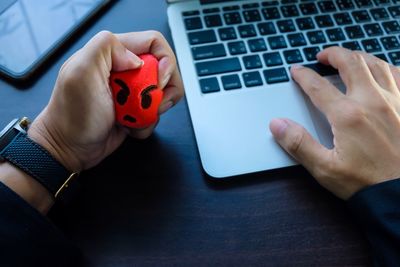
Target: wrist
{"type": "Point", "coordinates": [52, 142]}
{"type": "Point", "coordinates": [26, 187]}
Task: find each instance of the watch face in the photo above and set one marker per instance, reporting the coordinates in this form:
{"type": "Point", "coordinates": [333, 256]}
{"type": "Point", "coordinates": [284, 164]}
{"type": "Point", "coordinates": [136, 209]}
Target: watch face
{"type": "Point", "coordinates": [7, 128]}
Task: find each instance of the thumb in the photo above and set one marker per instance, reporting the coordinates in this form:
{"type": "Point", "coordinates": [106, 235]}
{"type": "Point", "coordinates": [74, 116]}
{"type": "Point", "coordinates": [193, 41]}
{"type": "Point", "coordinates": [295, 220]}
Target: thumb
{"type": "Point", "coordinates": [123, 59]}
{"type": "Point", "coordinates": [299, 143]}
{"type": "Point", "coordinates": [105, 47]}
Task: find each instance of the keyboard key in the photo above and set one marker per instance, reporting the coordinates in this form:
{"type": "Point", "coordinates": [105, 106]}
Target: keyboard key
{"type": "Point", "coordinates": [305, 23]}
{"type": "Point", "coordinates": [361, 16]}
{"type": "Point", "coordinates": [232, 18]}
{"type": "Point", "coordinates": [329, 45]}
{"type": "Point", "coordinates": [308, 9]}
{"type": "Point", "coordinates": [270, 3]}
{"type": "Point", "coordinates": [227, 33]}
{"type": "Point", "coordinates": [277, 42]}
{"type": "Point", "coordinates": [266, 28]}
{"type": "Point", "coordinates": [251, 15]}
{"type": "Point", "coordinates": [252, 62]}
{"type": "Point", "coordinates": [249, 6]}
{"type": "Point", "coordinates": [364, 3]}
{"type": "Point", "coordinates": [395, 57]}
{"type": "Point", "coordinates": [257, 45]}
{"type": "Point", "coordinates": [231, 82]}
{"type": "Point", "coordinates": [211, 10]}
{"type": "Point", "coordinates": [296, 39]}
{"type": "Point", "coordinates": [193, 23]}
{"type": "Point", "coordinates": [252, 79]}
{"type": "Point", "coordinates": [293, 56]}
{"type": "Point", "coordinates": [335, 35]}
{"type": "Point", "coordinates": [382, 56]}
{"type": "Point", "coordinates": [247, 31]}
{"type": "Point", "coordinates": [391, 27]}
{"type": "Point", "coordinates": [324, 21]}
{"type": "Point", "coordinates": [190, 13]}
{"type": "Point", "coordinates": [311, 52]}
{"type": "Point", "coordinates": [371, 45]}
{"type": "Point", "coordinates": [394, 11]}
{"type": "Point", "coordinates": [321, 69]}
{"type": "Point", "coordinates": [345, 4]}
{"type": "Point", "coordinates": [202, 37]}
{"type": "Point", "coordinates": [288, 1]}
{"type": "Point", "coordinates": [237, 48]}
{"type": "Point", "coordinates": [271, 13]}
{"type": "Point", "coordinates": [343, 18]}
{"type": "Point", "coordinates": [213, 20]}
{"type": "Point", "coordinates": [272, 59]}
{"type": "Point", "coordinates": [218, 66]}
{"type": "Point", "coordinates": [230, 8]}
{"type": "Point", "coordinates": [354, 32]}
{"type": "Point", "coordinates": [286, 26]}
{"type": "Point", "coordinates": [379, 13]}
{"type": "Point", "coordinates": [209, 51]}
{"type": "Point", "coordinates": [390, 43]}
{"type": "Point", "coordinates": [209, 85]}
{"type": "Point", "coordinates": [289, 11]}
{"type": "Point", "coordinates": [316, 37]}
{"type": "Point", "coordinates": [278, 75]}
{"type": "Point", "coordinates": [382, 2]}
{"type": "Point", "coordinates": [354, 45]}
{"type": "Point", "coordinates": [326, 6]}
{"type": "Point", "coordinates": [373, 29]}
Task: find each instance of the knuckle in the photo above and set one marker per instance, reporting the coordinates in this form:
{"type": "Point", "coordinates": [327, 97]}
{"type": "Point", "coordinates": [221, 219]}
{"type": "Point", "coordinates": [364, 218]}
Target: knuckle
{"type": "Point", "coordinates": [353, 114]}
{"type": "Point", "coordinates": [296, 141]}
{"type": "Point", "coordinates": [104, 37]}
{"type": "Point", "coordinates": [155, 35]}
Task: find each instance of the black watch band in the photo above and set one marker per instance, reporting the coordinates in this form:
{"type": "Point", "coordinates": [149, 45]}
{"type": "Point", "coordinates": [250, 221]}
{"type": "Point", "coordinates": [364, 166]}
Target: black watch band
{"type": "Point", "coordinates": [34, 160]}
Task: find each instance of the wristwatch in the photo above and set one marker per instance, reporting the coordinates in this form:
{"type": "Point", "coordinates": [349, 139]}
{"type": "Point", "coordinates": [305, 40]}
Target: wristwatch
{"type": "Point", "coordinates": [18, 149]}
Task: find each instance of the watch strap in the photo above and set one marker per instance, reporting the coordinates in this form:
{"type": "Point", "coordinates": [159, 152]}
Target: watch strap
{"type": "Point", "coordinates": [33, 159]}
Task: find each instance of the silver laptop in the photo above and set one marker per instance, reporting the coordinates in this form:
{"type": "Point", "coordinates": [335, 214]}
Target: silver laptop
{"type": "Point", "coordinates": [235, 58]}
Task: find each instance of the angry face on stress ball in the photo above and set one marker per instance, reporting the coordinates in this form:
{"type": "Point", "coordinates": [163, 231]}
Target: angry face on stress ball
{"type": "Point", "coordinates": [136, 94]}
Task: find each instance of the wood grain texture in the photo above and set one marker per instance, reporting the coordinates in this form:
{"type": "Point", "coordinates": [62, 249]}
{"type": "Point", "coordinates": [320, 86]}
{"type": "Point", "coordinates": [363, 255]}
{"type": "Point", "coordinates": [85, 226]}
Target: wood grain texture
{"type": "Point", "coordinates": [150, 203]}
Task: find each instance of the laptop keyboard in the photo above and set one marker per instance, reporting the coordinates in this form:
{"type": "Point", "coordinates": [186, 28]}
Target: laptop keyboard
{"type": "Point", "coordinates": [253, 44]}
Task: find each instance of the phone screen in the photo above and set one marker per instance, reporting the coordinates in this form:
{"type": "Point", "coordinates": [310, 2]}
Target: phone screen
{"type": "Point", "coordinates": [31, 29]}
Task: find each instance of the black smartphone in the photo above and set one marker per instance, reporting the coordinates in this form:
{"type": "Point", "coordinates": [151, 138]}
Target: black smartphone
{"type": "Point", "coordinates": [32, 30]}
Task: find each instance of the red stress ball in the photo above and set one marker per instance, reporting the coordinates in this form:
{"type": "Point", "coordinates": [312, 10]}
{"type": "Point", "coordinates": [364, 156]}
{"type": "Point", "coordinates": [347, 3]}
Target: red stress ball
{"type": "Point", "coordinates": [136, 94]}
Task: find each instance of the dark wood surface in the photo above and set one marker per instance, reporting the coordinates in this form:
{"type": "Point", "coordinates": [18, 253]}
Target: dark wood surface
{"type": "Point", "coordinates": [151, 204]}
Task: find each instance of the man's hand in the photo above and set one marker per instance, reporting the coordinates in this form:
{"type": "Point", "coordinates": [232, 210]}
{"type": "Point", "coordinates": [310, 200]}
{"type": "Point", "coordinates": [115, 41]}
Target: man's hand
{"type": "Point", "coordinates": [78, 125]}
{"type": "Point", "coordinates": [365, 123]}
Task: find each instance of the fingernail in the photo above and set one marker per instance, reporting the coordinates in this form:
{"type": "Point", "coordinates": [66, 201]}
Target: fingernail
{"type": "Point", "coordinates": [137, 61]}
{"type": "Point", "coordinates": [278, 127]}
{"type": "Point", "coordinates": [297, 66]}
{"type": "Point", "coordinates": [165, 107]}
{"type": "Point", "coordinates": [165, 81]}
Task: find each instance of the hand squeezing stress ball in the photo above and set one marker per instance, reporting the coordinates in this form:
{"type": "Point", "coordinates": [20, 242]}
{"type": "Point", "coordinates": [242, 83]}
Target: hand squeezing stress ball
{"type": "Point", "coordinates": [136, 94]}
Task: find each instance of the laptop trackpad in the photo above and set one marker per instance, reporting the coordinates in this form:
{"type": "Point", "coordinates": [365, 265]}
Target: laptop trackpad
{"type": "Point", "coordinates": [321, 124]}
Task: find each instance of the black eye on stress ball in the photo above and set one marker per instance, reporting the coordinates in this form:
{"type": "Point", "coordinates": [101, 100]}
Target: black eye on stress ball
{"type": "Point", "coordinates": [122, 95]}
{"type": "Point", "coordinates": [146, 97]}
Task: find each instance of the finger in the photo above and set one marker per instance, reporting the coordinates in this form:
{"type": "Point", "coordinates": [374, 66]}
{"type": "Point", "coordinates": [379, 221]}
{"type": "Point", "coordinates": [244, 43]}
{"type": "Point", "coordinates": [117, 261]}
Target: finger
{"type": "Point", "coordinates": [351, 66]}
{"type": "Point", "coordinates": [152, 42]}
{"type": "Point", "coordinates": [300, 144]}
{"type": "Point", "coordinates": [141, 133]}
{"type": "Point", "coordinates": [321, 92]}
{"type": "Point", "coordinates": [396, 75]}
{"type": "Point", "coordinates": [380, 71]}
{"type": "Point", "coordinates": [105, 46]}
